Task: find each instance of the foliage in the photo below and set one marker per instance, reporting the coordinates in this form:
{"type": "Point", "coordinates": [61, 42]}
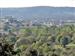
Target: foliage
{"type": "Point", "coordinates": [40, 41]}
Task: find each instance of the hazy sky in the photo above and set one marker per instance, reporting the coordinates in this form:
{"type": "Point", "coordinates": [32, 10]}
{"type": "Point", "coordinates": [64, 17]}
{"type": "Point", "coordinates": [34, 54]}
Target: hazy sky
{"type": "Point", "coordinates": [30, 3]}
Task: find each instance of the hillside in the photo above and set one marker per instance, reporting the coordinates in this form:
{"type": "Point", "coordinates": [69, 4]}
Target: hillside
{"type": "Point", "coordinates": [40, 13]}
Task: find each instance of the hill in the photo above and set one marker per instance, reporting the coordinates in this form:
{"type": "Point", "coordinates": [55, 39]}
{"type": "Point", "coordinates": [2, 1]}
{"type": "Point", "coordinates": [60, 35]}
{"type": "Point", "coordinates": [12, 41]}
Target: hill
{"type": "Point", "coordinates": [40, 13]}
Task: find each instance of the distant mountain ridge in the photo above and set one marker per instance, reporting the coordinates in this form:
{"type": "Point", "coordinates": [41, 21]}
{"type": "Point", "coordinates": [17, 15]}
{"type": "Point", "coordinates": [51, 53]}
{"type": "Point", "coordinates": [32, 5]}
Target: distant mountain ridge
{"type": "Point", "coordinates": [40, 13]}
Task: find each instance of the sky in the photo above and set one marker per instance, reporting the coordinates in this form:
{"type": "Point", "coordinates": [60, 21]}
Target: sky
{"type": "Point", "coordinates": [30, 3]}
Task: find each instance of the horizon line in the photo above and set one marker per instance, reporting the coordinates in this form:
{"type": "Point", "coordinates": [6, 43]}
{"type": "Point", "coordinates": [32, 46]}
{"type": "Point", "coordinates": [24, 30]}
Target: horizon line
{"type": "Point", "coordinates": [37, 6]}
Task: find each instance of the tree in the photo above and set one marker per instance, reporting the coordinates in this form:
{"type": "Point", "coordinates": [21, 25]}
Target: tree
{"type": "Point", "coordinates": [30, 52]}
{"type": "Point", "coordinates": [65, 40]}
{"type": "Point", "coordinates": [7, 50]}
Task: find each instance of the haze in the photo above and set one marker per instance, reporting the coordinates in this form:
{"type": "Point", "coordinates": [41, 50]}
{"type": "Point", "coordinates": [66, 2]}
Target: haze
{"type": "Point", "coordinates": [30, 3]}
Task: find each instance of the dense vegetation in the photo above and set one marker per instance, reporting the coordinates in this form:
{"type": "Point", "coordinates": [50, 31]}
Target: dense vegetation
{"type": "Point", "coordinates": [39, 41]}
